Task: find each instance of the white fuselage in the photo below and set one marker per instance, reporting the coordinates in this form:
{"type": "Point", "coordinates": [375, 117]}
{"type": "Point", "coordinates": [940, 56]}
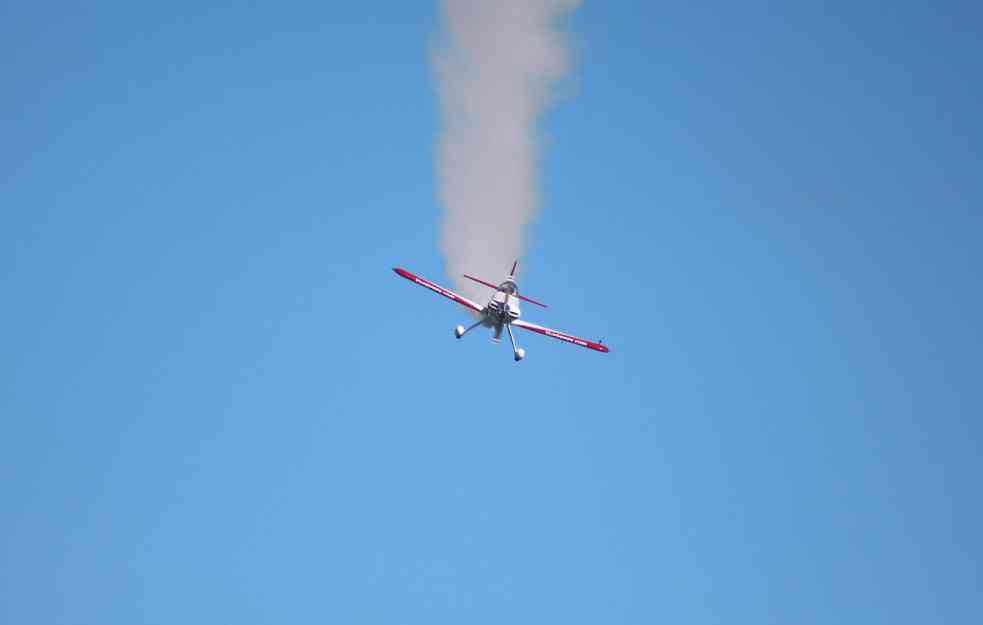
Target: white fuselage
{"type": "Point", "coordinates": [503, 307]}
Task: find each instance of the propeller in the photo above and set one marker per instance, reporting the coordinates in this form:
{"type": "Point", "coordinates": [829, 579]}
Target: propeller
{"type": "Point", "coordinates": [493, 286]}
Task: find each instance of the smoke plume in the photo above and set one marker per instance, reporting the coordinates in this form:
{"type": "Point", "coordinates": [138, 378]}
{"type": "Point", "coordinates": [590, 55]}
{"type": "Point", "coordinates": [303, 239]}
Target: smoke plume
{"type": "Point", "coordinates": [496, 68]}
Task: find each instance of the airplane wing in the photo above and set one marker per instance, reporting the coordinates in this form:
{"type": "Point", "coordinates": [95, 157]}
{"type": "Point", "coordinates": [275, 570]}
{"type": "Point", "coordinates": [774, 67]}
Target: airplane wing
{"type": "Point", "coordinates": [569, 338]}
{"type": "Point", "coordinates": [463, 301]}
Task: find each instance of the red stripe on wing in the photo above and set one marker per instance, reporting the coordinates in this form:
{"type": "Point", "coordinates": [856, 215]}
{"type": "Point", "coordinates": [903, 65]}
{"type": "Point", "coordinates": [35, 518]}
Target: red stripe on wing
{"type": "Point", "coordinates": [436, 288]}
{"type": "Point", "coordinates": [563, 336]}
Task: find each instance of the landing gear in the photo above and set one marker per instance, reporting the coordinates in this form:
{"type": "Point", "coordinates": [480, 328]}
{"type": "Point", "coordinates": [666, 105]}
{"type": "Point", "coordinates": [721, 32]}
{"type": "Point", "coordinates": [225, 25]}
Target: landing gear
{"type": "Point", "coordinates": [460, 331]}
{"type": "Point", "coordinates": [518, 352]}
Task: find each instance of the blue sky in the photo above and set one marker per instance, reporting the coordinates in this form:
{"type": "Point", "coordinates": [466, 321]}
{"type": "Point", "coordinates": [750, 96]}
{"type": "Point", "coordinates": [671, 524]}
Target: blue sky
{"type": "Point", "coordinates": [219, 404]}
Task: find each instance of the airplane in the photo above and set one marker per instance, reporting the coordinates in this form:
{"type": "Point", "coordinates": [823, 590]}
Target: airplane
{"type": "Point", "coordinates": [501, 311]}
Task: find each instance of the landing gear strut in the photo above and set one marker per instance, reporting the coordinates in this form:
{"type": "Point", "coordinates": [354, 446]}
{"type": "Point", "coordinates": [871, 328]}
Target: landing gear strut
{"type": "Point", "coordinates": [460, 331]}
{"type": "Point", "coordinates": [518, 352]}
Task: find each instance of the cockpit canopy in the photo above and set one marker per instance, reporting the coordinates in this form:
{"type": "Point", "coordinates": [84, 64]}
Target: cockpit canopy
{"type": "Point", "coordinates": [509, 287]}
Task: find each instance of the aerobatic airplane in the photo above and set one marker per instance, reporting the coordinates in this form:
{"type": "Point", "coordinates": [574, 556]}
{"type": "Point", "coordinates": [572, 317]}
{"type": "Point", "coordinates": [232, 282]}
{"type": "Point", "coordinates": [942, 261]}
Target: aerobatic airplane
{"type": "Point", "coordinates": [502, 310]}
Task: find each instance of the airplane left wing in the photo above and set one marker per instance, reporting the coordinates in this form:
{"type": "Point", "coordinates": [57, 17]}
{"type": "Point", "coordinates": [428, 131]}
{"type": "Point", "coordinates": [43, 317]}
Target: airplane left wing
{"type": "Point", "coordinates": [569, 338]}
{"type": "Point", "coordinates": [463, 301]}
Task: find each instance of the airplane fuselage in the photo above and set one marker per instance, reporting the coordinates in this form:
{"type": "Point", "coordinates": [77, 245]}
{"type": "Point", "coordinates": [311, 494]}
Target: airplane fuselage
{"type": "Point", "coordinates": [503, 308]}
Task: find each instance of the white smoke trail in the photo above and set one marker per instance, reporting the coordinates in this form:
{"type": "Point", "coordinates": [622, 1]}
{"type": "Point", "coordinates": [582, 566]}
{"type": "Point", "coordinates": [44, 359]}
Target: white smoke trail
{"type": "Point", "coordinates": [496, 72]}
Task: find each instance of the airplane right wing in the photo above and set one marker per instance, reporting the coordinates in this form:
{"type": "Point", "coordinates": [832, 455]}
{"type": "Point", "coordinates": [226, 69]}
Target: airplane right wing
{"type": "Point", "coordinates": [463, 301]}
{"type": "Point", "coordinates": [569, 338]}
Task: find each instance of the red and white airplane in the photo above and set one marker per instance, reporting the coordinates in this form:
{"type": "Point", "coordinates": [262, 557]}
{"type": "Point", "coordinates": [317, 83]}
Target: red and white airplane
{"type": "Point", "coordinates": [502, 310]}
